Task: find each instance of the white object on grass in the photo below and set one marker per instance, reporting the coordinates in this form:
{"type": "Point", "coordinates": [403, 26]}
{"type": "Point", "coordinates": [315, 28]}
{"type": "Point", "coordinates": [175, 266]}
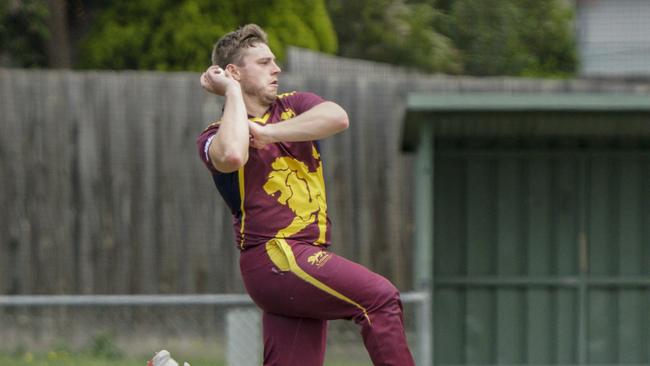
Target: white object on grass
{"type": "Point", "coordinates": [163, 358]}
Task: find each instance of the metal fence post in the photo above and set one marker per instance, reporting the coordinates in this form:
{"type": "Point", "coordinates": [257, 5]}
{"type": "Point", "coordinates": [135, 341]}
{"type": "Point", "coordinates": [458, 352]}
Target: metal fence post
{"type": "Point", "coordinates": [244, 337]}
{"type": "Point", "coordinates": [424, 331]}
{"type": "Point", "coordinates": [424, 234]}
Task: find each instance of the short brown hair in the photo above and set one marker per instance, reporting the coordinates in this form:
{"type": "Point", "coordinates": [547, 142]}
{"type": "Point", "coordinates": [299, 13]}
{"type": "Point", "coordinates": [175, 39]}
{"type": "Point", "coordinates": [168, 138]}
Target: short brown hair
{"type": "Point", "coordinates": [228, 49]}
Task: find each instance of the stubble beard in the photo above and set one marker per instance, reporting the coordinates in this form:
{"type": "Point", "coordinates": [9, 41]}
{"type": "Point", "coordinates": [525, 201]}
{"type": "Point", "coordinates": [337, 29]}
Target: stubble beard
{"type": "Point", "coordinates": [264, 96]}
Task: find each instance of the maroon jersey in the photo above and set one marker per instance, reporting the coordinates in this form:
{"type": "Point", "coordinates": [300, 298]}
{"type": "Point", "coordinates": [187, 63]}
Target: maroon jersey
{"type": "Point", "coordinates": [279, 192]}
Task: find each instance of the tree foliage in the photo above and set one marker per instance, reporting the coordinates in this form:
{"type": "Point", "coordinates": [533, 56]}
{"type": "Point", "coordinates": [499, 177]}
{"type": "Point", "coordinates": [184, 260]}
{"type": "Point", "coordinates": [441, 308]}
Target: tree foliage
{"type": "Point", "coordinates": [393, 31]}
{"type": "Point", "coordinates": [486, 37]}
{"type": "Point", "coordinates": [178, 35]}
{"type": "Point", "coordinates": [513, 37]}
{"type": "Point", "coordinates": [24, 33]}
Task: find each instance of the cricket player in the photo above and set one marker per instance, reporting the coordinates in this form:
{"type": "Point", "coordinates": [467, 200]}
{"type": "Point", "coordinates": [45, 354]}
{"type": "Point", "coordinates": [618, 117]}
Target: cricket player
{"type": "Point", "coordinates": [264, 158]}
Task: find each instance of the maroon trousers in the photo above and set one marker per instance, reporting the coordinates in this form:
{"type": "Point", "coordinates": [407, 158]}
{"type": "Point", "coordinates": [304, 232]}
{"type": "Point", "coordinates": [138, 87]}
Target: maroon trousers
{"type": "Point", "coordinates": [300, 286]}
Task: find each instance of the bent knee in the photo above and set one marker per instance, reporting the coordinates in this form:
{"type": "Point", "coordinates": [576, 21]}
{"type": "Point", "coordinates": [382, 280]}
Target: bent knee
{"type": "Point", "coordinates": [387, 293]}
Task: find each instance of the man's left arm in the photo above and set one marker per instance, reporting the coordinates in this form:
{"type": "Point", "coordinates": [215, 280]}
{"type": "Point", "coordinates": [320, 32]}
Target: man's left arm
{"type": "Point", "coordinates": [321, 121]}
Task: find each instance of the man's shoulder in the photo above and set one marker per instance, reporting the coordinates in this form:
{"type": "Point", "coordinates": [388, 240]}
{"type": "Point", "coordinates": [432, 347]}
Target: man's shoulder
{"type": "Point", "coordinates": [298, 100]}
{"type": "Point", "coordinates": [208, 131]}
{"type": "Point", "coordinates": [296, 94]}
{"type": "Point", "coordinates": [287, 95]}
{"type": "Point", "coordinates": [212, 126]}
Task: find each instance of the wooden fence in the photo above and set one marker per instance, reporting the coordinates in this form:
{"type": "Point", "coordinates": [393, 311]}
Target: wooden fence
{"type": "Point", "coordinates": [102, 190]}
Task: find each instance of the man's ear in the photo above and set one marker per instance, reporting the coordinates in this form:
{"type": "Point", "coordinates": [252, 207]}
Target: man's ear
{"type": "Point", "coordinates": [234, 71]}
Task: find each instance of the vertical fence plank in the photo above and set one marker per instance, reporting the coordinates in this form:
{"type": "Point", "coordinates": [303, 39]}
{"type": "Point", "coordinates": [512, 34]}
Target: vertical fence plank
{"type": "Point", "coordinates": [481, 311]}
{"type": "Point", "coordinates": [511, 218]}
{"type": "Point", "coordinates": [540, 347]}
{"type": "Point", "coordinates": [12, 126]}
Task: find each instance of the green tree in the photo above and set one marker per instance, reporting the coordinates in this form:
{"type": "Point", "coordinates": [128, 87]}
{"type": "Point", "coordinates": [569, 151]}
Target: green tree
{"type": "Point", "coordinates": [475, 37]}
{"type": "Point", "coordinates": [394, 31]}
{"type": "Point", "coordinates": [43, 33]}
{"type": "Point", "coordinates": [178, 35]}
{"type": "Point", "coordinates": [24, 33]}
{"type": "Point", "coordinates": [513, 37]}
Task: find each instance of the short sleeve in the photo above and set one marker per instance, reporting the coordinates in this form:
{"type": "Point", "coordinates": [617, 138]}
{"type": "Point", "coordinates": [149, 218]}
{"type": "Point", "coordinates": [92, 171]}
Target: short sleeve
{"type": "Point", "coordinates": [203, 144]}
{"type": "Point", "coordinates": [301, 102]}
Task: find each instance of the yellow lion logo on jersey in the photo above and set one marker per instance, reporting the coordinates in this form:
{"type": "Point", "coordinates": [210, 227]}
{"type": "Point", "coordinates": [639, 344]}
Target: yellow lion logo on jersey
{"type": "Point", "coordinates": [301, 190]}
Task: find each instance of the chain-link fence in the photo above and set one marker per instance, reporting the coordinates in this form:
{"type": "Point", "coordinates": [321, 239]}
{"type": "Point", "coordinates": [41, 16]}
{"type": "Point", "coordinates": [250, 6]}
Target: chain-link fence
{"type": "Point", "coordinates": [207, 329]}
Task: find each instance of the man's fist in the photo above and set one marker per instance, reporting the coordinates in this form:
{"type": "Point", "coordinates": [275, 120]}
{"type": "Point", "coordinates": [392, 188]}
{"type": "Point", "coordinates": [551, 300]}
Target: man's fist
{"type": "Point", "coordinates": [217, 80]}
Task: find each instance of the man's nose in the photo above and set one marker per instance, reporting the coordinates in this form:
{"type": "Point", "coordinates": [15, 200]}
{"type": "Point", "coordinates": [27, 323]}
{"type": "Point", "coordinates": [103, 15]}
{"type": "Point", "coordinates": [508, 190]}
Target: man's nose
{"type": "Point", "coordinates": [276, 68]}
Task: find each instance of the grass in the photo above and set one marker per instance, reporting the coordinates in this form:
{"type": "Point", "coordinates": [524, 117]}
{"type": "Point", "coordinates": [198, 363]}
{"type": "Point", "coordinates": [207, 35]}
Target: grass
{"type": "Point", "coordinates": [102, 351]}
{"type": "Point", "coordinates": [67, 359]}
{"type": "Point", "coordinates": [63, 358]}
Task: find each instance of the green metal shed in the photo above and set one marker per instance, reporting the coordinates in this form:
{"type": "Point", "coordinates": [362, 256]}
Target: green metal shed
{"type": "Point", "coordinates": [533, 226]}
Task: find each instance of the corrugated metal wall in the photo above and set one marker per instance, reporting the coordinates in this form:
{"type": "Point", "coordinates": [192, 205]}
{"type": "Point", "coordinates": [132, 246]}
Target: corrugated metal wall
{"type": "Point", "coordinates": [541, 254]}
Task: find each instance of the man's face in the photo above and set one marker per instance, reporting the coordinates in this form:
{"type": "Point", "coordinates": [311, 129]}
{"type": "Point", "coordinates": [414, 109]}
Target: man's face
{"type": "Point", "coordinates": [258, 74]}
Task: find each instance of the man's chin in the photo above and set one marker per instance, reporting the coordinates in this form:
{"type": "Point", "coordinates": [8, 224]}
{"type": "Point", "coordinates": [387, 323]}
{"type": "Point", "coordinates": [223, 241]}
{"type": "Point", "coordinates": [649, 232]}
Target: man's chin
{"type": "Point", "coordinates": [269, 97]}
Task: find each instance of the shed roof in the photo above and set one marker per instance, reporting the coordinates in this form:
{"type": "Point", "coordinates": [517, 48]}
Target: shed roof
{"type": "Point", "coordinates": [526, 115]}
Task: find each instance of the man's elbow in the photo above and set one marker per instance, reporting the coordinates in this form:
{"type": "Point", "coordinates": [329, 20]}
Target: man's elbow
{"type": "Point", "coordinates": [342, 121]}
{"type": "Point", "coordinates": [230, 161]}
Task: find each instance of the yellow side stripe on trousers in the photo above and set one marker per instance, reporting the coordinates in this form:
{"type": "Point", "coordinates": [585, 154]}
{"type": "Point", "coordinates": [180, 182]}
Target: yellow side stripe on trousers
{"type": "Point", "coordinates": [242, 193]}
{"type": "Point", "coordinates": [282, 256]}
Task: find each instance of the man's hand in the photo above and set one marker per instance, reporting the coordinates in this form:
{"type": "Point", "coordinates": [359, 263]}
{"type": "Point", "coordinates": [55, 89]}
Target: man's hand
{"type": "Point", "coordinates": [218, 81]}
{"type": "Point", "coordinates": [260, 135]}
{"type": "Point", "coordinates": [323, 120]}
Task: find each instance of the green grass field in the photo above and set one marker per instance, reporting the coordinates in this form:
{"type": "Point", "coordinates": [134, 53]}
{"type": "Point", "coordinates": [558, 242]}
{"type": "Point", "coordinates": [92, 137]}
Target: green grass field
{"type": "Point", "coordinates": [66, 359]}
{"type": "Point", "coordinates": [102, 350]}
{"type": "Point", "coordinates": [59, 359]}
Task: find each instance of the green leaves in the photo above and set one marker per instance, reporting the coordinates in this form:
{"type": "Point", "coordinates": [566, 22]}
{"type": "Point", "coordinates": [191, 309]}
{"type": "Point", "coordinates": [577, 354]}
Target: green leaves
{"type": "Point", "coordinates": [179, 35]}
{"type": "Point", "coordinates": [393, 31]}
{"type": "Point", "coordinates": [24, 32]}
{"type": "Point", "coordinates": [486, 37]}
{"type": "Point", "coordinates": [513, 37]}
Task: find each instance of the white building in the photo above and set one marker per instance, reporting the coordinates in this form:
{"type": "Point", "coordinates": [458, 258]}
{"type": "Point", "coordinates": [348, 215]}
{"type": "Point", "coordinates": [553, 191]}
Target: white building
{"type": "Point", "coordinates": [614, 37]}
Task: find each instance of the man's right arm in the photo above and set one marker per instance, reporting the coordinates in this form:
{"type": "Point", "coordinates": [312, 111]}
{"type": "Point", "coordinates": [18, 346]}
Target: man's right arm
{"type": "Point", "coordinates": [228, 150]}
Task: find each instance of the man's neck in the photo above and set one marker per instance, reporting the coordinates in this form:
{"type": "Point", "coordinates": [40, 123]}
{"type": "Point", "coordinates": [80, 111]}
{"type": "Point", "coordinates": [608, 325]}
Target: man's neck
{"type": "Point", "coordinates": [254, 107]}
